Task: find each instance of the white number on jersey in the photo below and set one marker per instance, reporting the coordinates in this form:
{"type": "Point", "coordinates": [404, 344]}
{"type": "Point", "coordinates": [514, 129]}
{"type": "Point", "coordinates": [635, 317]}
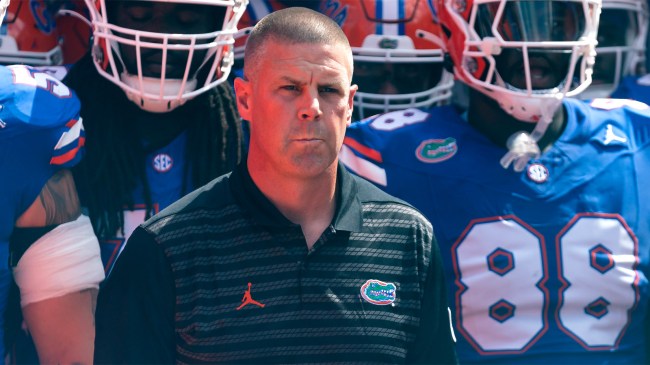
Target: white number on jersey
{"type": "Point", "coordinates": [501, 267]}
{"type": "Point", "coordinates": [398, 119]}
{"type": "Point", "coordinates": [27, 76]}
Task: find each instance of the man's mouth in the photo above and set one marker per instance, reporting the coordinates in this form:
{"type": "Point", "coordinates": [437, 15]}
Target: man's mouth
{"type": "Point", "coordinates": [541, 74]}
{"type": "Point", "coordinates": [156, 70]}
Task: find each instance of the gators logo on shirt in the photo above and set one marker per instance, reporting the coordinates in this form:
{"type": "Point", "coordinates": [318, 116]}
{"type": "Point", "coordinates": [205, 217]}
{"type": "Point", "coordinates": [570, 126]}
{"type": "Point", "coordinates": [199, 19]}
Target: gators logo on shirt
{"type": "Point", "coordinates": [379, 293]}
{"type": "Point", "coordinates": [436, 150]}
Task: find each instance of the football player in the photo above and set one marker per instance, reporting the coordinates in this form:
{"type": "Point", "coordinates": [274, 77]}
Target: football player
{"type": "Point", "coordinates": [398, 60]}
{"type": "Point", "coordinates": [44, 238]}
{"type": "Point", "coordinates": [159, 118]}
{"type": "Point", "coordinates": [538, 200]}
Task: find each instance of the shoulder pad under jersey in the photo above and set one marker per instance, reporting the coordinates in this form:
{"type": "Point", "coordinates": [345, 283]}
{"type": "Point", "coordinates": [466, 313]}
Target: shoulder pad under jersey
{"type": "Point", "coordinates": [33, 99]}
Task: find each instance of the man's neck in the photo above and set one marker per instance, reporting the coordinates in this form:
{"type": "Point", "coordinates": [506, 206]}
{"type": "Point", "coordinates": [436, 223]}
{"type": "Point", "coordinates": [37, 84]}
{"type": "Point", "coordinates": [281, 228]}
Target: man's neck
{"type": "Point", "coordinates": [158, 129]}
{"type": "Point", "coordinates": [487, 117]}
{"type": "Point", "coordinates": [308, 202]}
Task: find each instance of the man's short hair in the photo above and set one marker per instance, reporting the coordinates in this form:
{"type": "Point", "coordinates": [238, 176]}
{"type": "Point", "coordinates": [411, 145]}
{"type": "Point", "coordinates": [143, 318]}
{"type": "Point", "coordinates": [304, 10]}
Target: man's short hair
{"type": "Point", "coordinates": [294, 25]}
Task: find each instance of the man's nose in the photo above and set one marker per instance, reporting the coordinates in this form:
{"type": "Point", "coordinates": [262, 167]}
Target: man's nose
{"type": "Point", "coordinates": [310, 107]}
{"type": "Point", "coordinates": [388, 87]}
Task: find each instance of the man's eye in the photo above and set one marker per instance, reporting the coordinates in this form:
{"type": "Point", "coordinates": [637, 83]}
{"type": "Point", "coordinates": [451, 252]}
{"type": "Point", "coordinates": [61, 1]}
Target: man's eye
{"type": "Point", "coordinates": [328, 90]}
{"type": "Point", "coordinates": [188, 17]}
{"type": "Point", "coordinates": [139, 13]}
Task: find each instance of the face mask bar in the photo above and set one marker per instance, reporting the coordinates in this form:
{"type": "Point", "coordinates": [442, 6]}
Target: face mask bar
{"type": "Point", "coordinates": [164, 93]}
{"type": "Point", "coordinates": [401, 51]}
{"type": "Point", "coordinates": [486, 48]}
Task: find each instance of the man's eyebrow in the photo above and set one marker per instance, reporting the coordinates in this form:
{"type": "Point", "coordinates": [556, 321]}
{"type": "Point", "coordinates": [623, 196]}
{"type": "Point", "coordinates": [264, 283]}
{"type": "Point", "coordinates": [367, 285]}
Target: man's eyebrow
{"type": "Point", "coordinates": [292, 80]}
{"type": "Point", "coordinates": [331, 81]}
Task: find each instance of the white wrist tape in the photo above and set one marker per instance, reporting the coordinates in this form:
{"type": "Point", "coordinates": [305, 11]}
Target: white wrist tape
{"type": "Point", "coordinates": [65, 260]}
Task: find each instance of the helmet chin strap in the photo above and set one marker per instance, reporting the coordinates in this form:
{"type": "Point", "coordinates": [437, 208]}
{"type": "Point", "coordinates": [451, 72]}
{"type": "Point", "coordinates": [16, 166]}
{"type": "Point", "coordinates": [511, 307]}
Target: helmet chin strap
{"type": "Point", "coordinates": [522, 146]}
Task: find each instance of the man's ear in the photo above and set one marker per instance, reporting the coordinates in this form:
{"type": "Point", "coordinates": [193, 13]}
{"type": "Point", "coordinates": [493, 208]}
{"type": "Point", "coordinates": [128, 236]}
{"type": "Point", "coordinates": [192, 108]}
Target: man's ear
{"type": "Point", "coordinates": [353, 90]}
{"type": "Point", "coordinates": [242, 92]}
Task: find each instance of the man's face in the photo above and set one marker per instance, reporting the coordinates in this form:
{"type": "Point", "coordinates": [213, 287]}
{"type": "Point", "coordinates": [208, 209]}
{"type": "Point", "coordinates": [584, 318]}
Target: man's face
{"type": "Point", "coordinates": [158, 17]}
{"type": "Point", "coordinates": [298, 100]}
{"type": "Point", "coordinates": [548, 68]}
{"type": "Point", "coordinates": [385, 78]}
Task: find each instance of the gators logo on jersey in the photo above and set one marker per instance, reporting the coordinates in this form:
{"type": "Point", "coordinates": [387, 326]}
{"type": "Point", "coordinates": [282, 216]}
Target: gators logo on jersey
{"type": "Point", "coordinates": [436, 150]}
{"type": "Point", "coordinates": [377, 292]}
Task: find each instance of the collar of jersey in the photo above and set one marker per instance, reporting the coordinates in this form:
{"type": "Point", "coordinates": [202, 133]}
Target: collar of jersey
{"type": "Point", "coordinates": [348, 208]}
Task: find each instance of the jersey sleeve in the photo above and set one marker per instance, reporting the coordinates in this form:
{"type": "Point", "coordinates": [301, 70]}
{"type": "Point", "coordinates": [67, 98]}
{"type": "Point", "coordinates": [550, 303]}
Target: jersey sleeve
{"type": "Point", "coordinates": [41, 131]}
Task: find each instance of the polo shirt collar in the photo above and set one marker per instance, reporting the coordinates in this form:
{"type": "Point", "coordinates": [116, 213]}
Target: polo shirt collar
{"type": "Point", "coordinates": [348, 215]}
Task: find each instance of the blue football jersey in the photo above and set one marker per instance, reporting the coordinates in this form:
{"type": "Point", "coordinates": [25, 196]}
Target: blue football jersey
{"type": "Point", "coordinates": [546, 266]}
{"type": "Point", "coordinates": [165, 169]}
{"type": "Point", "coordinates": [40, 133]}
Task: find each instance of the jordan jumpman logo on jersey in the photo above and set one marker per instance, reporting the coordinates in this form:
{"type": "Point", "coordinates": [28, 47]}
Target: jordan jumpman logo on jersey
{"type": "Point", "coordinates": [247, 299]}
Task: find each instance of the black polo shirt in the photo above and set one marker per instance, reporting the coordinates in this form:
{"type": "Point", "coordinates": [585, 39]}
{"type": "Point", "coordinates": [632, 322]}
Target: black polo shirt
{"type": "Point", "coordinates": [221, 276]}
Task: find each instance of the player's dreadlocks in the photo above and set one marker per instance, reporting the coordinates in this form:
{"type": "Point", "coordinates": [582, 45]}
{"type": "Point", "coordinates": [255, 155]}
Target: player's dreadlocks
{"type": "Point", "coordinates": [114, 161]}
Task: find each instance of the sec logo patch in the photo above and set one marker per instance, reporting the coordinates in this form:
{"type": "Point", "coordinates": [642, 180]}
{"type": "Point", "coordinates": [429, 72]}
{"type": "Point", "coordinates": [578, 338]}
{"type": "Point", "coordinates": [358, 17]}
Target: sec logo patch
{"type": "Point", "coordinates": [538, 173]}
{"type": "Point", "coordinates": [162, 162]}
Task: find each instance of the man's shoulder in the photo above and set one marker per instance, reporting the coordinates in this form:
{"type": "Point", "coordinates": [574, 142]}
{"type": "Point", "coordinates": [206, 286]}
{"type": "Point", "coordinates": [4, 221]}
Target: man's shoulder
{"type": "Point", "coordinates": [212, 197]}
{"type": "Point", "coordinates": [623, 117]}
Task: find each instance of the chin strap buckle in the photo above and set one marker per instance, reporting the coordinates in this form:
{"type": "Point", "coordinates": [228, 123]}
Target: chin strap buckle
{"type": "Point", "coordinates": [521, 149]}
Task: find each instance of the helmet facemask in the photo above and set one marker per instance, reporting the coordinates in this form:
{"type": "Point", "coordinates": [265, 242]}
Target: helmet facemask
{"type": "Point", "coordinates": [161, 71]}
{"type": "Point", "coordinates": [400, 78]}
{"type": "Point", "coordinates": [4, 4]}
{"type": "Point", "coordinates": [537, 30]}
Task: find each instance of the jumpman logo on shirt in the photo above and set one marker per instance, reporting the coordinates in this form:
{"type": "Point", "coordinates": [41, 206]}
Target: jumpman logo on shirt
{"type": "Point", "coordinates": [247, 299]}
{"type": "Point", "coordinates": [610, 136]}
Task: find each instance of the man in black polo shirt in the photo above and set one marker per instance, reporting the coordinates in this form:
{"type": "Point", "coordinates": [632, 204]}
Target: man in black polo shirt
{"type": "Point", "coordinates": [288, 259]}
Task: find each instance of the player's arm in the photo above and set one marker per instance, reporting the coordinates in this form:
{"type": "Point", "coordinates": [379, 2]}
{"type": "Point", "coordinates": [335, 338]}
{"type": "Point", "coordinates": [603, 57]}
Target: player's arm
{"type": "Point", "coordinates": [58, 269]}
{"type": "Point", "coordinates": [57, 203]}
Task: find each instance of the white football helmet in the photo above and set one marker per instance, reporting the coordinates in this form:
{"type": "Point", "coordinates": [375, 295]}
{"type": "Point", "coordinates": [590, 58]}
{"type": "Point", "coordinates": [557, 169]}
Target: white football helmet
{"type": "Point", "coordinates": [162, 94]}
{"type": "Point", "coordinates": [478, 31]}
{"type": "Point", "coordinates": [546, 50]}
{"type": "Point", "coordinates": [622, 34]}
